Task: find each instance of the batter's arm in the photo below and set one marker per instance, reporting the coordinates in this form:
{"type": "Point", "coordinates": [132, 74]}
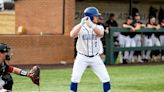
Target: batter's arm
{"type": "Point", "coordinates": [74, 32]}
{"type": "Point", "coordinates": [153, 26]}
{"type": "Point", "coordinates": [128, 26]}
{"type": "Point", "coordinates": [98, 32]}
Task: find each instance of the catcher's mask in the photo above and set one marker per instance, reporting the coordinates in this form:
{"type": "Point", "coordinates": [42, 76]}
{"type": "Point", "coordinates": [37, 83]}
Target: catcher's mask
{"type": "Point", "coordinates": [4, 48]}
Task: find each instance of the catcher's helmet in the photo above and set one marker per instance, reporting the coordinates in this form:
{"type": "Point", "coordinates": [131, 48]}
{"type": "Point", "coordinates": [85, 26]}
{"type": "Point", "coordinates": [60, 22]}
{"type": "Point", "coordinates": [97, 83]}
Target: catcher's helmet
{"type": "Point", "coordinates": [4, 48]}
{"type": "Point", "coordinates": [91, 11]}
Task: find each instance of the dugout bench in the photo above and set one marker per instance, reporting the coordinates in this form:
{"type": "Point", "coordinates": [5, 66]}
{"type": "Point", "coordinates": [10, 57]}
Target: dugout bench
{"type": "Point", "coordinates": [110, 48]}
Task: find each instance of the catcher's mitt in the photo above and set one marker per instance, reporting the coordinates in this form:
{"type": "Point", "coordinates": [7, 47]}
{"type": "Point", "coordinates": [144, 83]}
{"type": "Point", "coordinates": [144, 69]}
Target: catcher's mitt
{"type": "Point", "coordinates": [34, 74]}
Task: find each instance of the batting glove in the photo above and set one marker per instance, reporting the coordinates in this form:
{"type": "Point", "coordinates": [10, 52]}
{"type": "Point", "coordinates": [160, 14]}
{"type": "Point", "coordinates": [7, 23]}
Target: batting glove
{"type": "Point", "coordinates": [90, 23]}
{"type": "Point", "coordinates": [83, 20]}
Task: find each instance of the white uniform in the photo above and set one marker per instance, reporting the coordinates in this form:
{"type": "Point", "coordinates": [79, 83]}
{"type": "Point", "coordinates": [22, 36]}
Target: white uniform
{"type": "Point", "coordinates": [88, 55]}
{"type": "Point", "coordinates": [101, 49]}
{"type": "Point", "coordinates": [126, 41]}
{"type": "Point", "coordinates": [150, 41]}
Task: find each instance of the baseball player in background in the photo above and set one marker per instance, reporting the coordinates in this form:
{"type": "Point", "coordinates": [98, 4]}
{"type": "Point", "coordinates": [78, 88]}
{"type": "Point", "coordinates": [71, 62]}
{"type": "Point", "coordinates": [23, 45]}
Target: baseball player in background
{"type": "Point", "coordinates": [126, 39]}
{"type": "Point", "coordinates": [151, 39]}
{"type": "Point", "coordinates": [87, 46]}
{"type": "Point", "coordinates": [137, 24]}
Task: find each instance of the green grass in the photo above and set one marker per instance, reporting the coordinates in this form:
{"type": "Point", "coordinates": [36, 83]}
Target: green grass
{"type": "Point", "coordinates": [147, 78]}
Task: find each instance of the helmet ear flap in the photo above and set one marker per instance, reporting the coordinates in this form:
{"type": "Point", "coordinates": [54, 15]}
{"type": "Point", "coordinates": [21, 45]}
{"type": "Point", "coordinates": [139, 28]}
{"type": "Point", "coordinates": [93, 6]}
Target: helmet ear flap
{"type": "Point", "coordinates": [91, 18]}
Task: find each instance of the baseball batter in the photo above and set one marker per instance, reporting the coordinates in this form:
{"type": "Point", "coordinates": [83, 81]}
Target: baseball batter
{"type": "Point", "coordinates": [87, 46]}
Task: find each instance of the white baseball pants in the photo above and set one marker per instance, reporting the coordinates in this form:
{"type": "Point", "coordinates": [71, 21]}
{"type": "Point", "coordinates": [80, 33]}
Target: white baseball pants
{"type": "Point", "coordinates": [95, 63]}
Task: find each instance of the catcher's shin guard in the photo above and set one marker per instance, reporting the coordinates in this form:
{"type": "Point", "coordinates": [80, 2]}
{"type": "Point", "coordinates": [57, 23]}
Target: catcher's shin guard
{"type": "Point", "coordinates": [73, 87]}
{"type": "Point", "coordinates": [106, 87]}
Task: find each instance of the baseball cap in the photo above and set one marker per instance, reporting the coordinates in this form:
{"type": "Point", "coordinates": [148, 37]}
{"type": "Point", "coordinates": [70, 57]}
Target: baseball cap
{"type": "Point", "coordinates": [129, 17]}
{"type": "Point", "coordinates": [137, 14]}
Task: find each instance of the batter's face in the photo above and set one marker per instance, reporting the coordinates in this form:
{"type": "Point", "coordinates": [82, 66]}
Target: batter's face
{"type": "Point", "coordinates": [2, 57]}
{"type": "Point", "coordinates": [95, 19]}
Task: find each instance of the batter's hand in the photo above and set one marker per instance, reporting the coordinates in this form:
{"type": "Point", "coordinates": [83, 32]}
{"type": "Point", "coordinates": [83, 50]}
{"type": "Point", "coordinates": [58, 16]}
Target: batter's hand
{"type": "Point", "coordinates": [83, 20]}
{"type": "Point", "coordinates": [90, 23]}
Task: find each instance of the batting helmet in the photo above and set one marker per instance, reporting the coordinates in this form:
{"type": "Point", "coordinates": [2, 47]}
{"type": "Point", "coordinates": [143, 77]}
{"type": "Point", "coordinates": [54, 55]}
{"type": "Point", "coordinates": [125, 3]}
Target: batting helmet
{"type": "Point", "coordinates": [91, 11]}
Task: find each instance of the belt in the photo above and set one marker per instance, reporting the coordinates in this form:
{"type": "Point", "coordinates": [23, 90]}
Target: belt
{"type": "Point", "coordinates": [88, 55]}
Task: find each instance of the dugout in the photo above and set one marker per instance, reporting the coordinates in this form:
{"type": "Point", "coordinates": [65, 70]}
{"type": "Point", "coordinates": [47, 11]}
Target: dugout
{"type": "Point", "coordinates": [121, 8]}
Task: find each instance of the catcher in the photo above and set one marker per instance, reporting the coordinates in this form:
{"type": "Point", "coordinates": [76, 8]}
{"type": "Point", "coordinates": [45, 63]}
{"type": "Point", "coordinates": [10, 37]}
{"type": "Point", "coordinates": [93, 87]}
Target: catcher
{"type": "Point", "coordinates": [6, 80]}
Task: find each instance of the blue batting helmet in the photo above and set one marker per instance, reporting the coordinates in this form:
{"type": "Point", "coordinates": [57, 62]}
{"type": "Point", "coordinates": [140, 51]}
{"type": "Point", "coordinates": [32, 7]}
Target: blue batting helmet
{"type": "Point", "coordinates": [91, 11]}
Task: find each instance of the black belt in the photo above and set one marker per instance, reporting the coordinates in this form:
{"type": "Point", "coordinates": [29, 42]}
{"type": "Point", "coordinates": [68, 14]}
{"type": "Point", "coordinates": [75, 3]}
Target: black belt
{"type": "Point", "coordinates": [87, 55]}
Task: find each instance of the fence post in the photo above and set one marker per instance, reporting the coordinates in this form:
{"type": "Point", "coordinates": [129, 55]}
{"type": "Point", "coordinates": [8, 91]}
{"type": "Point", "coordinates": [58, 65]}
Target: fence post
{"type": "Point", "coordinates": [109, 47]}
